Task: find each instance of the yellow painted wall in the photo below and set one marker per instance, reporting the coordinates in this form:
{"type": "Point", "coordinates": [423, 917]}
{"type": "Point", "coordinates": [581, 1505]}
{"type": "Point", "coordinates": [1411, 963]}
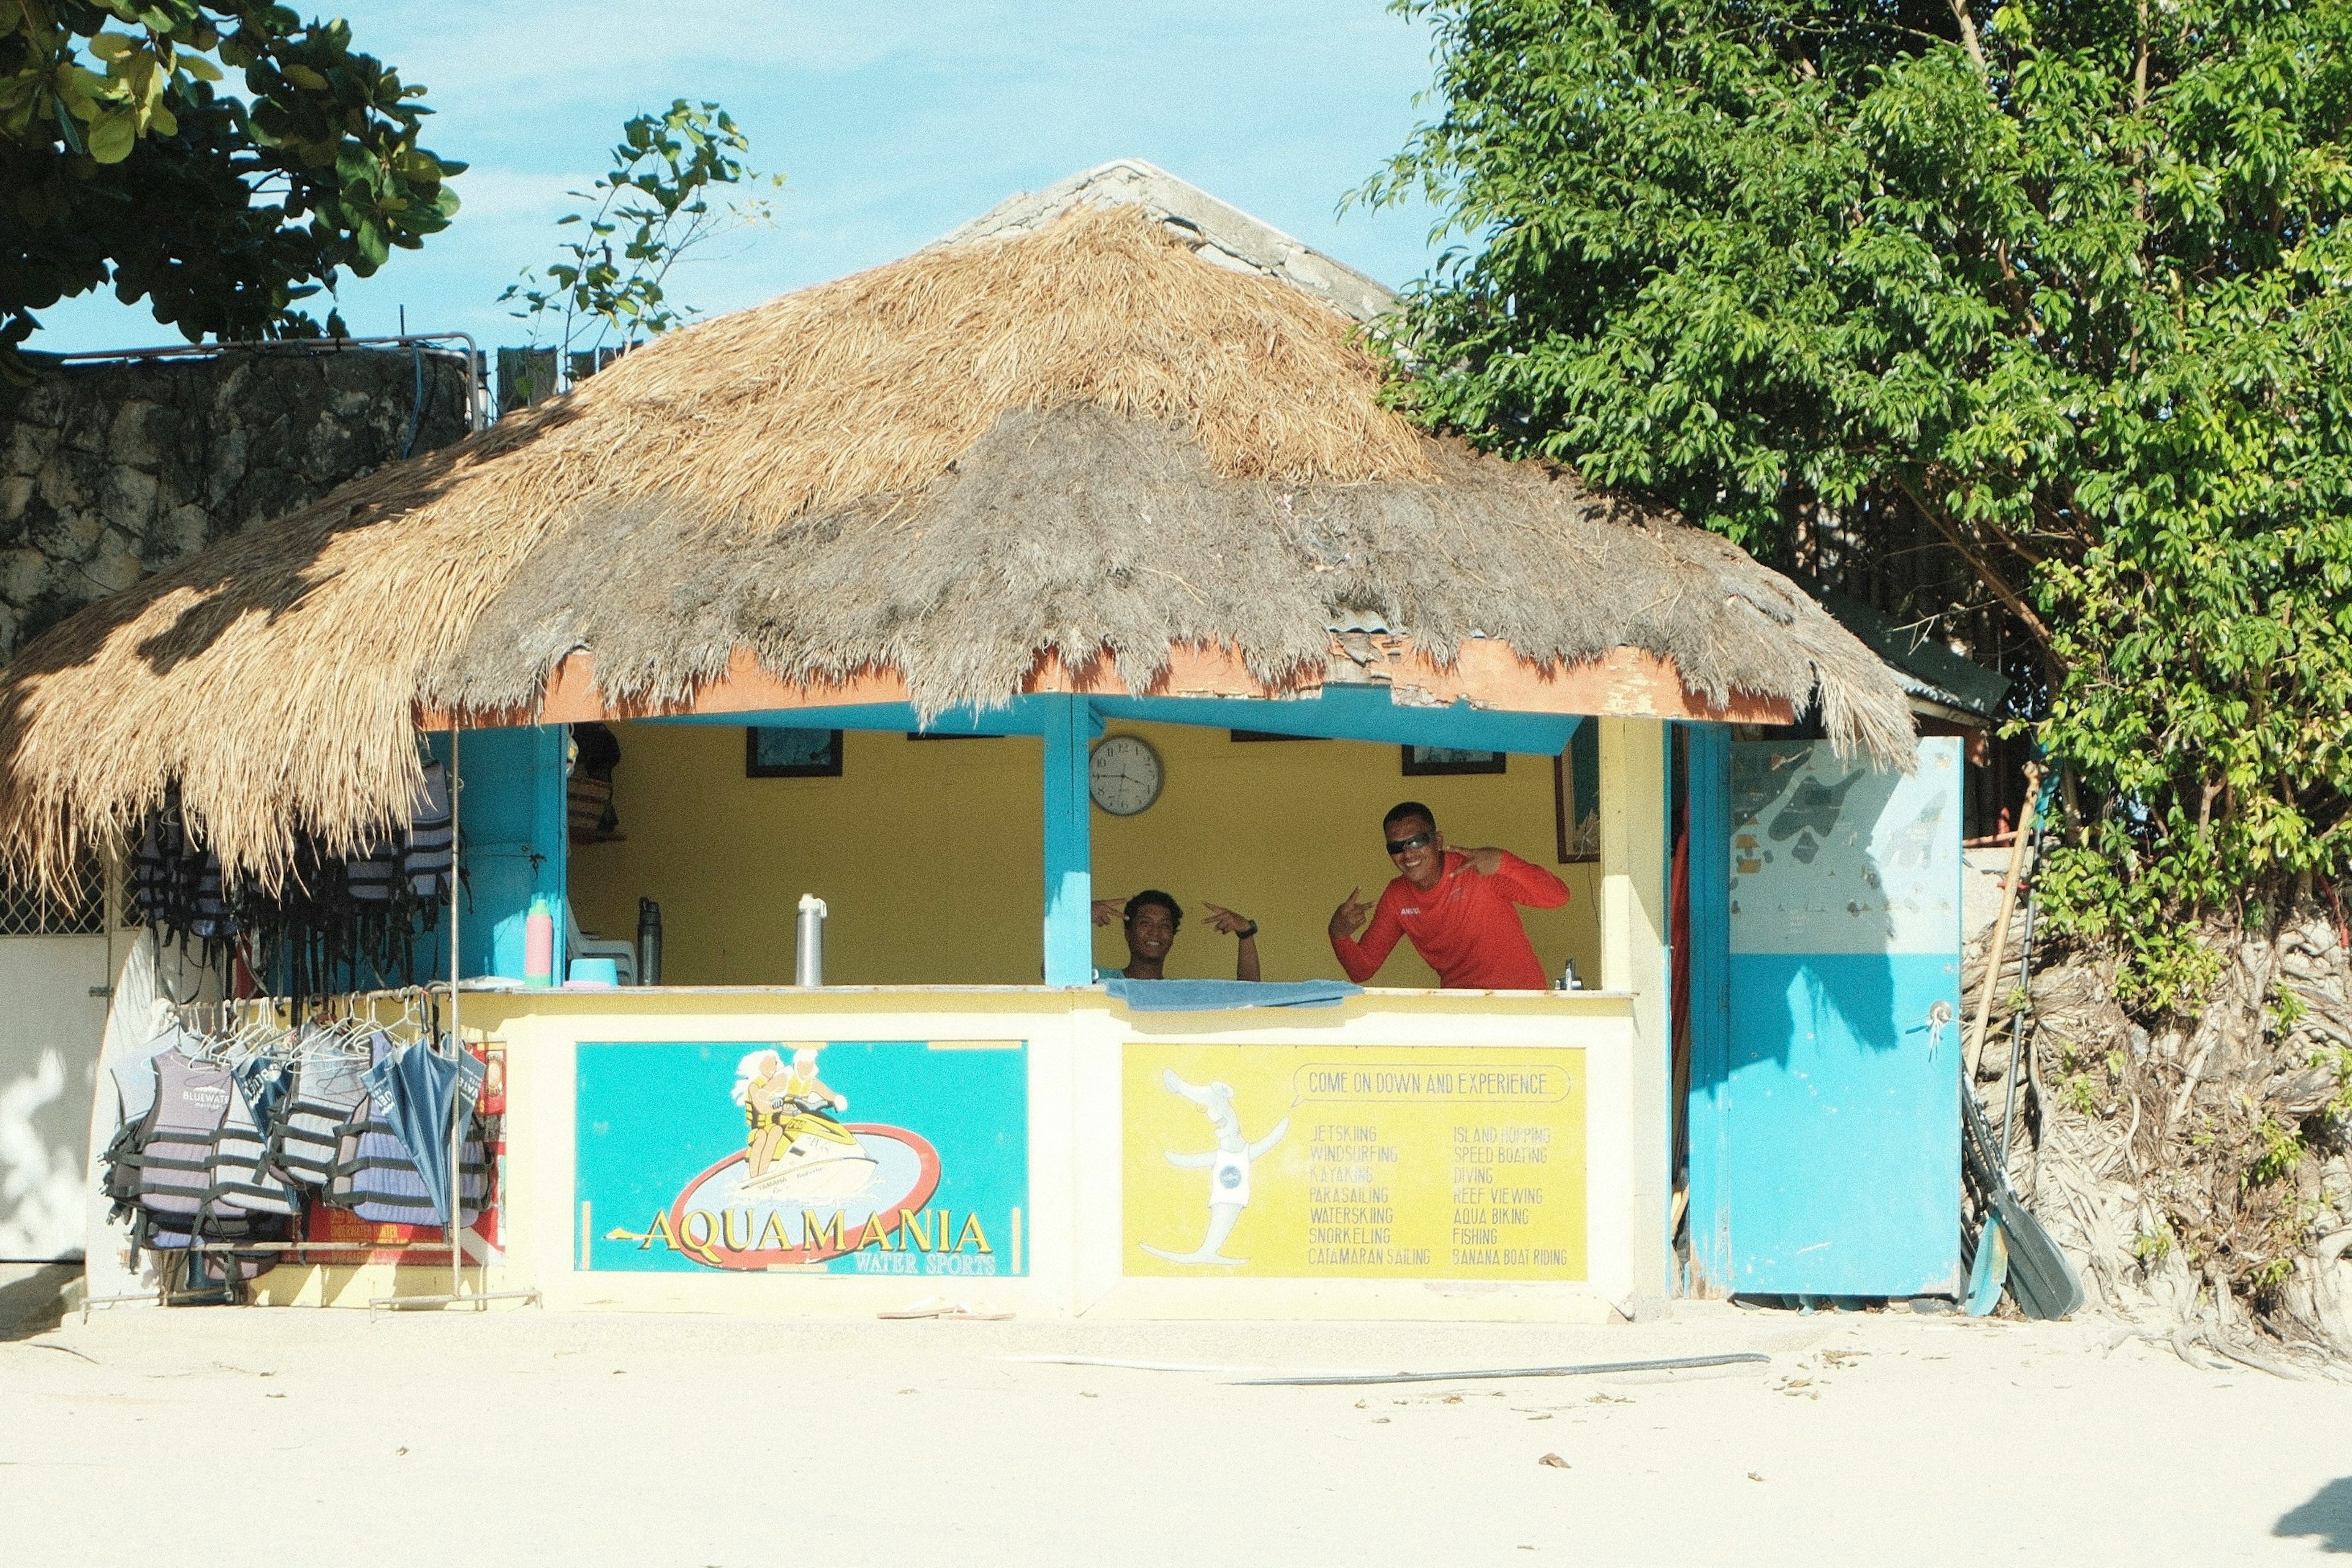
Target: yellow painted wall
{"type": "Point", "coordinates": [927, 853]}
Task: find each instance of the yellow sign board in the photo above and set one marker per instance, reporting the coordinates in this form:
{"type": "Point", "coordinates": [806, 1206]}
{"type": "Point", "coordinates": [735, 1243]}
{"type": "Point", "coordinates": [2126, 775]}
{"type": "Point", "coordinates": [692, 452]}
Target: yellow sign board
{"type": "Point", "coordinates": [1314, 1161]}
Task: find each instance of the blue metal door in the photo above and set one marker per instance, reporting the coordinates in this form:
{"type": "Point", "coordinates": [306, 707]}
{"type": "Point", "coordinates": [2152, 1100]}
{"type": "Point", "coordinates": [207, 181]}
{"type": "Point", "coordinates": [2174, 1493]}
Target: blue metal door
{"type": "Point", "coordinates": [1835, 1109]}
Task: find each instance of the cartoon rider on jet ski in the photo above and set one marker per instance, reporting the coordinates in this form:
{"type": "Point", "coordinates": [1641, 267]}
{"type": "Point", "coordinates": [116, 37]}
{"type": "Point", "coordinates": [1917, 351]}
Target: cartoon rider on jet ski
{"type": "Point", "coordinates": [784, 1107]}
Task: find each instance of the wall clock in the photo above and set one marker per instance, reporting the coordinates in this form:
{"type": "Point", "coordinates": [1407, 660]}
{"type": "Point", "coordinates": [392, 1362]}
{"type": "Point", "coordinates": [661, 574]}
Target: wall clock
{"type": "Point", "coordinates": [1124, 776]}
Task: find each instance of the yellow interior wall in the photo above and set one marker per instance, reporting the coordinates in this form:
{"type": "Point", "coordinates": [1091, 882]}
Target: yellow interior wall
{"type": "Point", "coordinates": [926, 853]}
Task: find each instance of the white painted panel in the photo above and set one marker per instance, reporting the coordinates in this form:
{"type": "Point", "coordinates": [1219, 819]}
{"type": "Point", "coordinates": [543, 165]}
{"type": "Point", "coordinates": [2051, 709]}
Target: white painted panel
{"type": "Point", "coordinates": [49, 1029]}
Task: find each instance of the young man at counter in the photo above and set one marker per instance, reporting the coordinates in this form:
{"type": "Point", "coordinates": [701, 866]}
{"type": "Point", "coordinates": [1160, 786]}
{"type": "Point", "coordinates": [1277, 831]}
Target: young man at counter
{"type": "Point", "coordinates": [1151, 920]}
{"type": "Point", "coordinates": [1456, 905]}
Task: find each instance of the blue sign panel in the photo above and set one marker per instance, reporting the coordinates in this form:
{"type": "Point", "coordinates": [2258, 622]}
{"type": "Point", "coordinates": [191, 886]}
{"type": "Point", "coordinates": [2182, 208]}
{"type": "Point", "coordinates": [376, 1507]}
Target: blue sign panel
{"type": "Point", "coordinates": [839, 1157]}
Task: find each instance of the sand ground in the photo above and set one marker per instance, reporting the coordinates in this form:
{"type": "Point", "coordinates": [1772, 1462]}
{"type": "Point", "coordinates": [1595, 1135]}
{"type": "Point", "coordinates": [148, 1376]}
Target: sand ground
{"type": "Point", "coordinates": [200, 1436]}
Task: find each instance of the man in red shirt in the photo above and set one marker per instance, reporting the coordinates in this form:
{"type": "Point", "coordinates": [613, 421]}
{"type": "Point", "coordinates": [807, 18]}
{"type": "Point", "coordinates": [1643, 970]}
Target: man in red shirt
{"type": "Point", "coordinates": [1455, 905]}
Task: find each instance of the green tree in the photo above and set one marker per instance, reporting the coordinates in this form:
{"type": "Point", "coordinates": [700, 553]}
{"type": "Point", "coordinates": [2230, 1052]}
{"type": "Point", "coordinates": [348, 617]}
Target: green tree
{"type": "Point", "coordinates": [122, 162]}
{"type": "Point", "coordinates": [607, 290]}
{"type": "Point", "coordinates": [2061, 288]}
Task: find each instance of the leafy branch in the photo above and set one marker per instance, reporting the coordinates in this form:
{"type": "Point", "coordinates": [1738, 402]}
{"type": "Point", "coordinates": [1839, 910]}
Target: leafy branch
{"type": "Point", "coordinates": [126, 162]}
{"type": "Point", "coordinates": [609, 287]}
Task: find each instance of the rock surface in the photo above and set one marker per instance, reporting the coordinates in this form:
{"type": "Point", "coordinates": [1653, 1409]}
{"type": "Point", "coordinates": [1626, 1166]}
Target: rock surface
{"type": "Point", "coordinates": [109, 471]}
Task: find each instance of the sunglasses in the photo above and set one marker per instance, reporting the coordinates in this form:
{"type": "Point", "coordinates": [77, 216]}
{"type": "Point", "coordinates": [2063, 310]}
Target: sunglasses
{"type": "Point", "coordinates": [1398, 845]}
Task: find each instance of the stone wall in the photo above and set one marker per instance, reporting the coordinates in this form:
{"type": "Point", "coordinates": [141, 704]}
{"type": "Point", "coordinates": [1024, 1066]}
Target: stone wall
{"type": "Point", "coordinates": [110, 471]}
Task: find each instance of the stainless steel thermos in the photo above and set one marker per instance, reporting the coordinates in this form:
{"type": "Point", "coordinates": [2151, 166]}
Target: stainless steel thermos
{"type": "Point", "coordinates": [808, 958]}
{"type": "Point", "coordinates": [650, 953]}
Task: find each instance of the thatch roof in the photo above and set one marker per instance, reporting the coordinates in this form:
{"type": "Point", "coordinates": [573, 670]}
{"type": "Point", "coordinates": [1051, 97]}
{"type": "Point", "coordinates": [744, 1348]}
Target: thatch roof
{"type": "Point", "coordinates": [1067, 444]}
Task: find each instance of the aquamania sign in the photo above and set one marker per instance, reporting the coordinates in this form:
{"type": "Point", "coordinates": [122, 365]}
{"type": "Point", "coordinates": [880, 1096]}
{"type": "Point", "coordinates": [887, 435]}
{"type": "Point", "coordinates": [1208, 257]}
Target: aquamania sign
{"type": "Point", "coordinates": [749, 1156]}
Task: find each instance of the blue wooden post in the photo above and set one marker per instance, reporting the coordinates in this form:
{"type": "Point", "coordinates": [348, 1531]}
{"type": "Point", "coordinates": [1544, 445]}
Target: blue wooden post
{"type": "Point", "coordinates": [514, 840]}
{"type": "Point", "coordinates": [1069, 845]}
{"type": "Point", "coordinates": [1707, 757]}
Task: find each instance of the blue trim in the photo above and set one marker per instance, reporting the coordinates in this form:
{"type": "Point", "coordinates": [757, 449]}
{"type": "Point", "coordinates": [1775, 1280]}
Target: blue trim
{"type": "Point", "coordinates": [1069, 850]}
{"type": "Point", "coordinates": [1706, 759]}
{"type": "Point", "coordinates": [1339, 713]}
{"type": "Point", "coordinates": [1357, 713]}
{"type": "Point", "coordinates": [1020, 716]}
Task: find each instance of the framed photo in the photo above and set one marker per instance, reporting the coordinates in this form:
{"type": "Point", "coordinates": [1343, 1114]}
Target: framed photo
{"type": "Point", "coordinates": [787, 753]}
{"type": "Point", "coordinates": [1426, 762]}
{"type": "Point", "coordinates": [1576, 795]}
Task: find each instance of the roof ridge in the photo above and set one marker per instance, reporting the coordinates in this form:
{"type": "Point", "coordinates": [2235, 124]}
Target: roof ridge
{"type": "Point", "coordinates": [1215, 230]}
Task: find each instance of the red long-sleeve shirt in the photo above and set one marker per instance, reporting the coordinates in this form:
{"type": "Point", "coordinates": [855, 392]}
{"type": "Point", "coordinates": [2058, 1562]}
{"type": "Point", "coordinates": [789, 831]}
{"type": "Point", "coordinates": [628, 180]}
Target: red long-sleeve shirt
{"type": "Point", "coordinates": [1465, 928]}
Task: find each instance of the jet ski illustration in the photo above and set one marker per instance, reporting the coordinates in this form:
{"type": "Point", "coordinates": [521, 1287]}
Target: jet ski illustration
{"type": "Point", "coordinates": [820, 1162]}
{"type": "Point", "coordinates": [797, 1149]}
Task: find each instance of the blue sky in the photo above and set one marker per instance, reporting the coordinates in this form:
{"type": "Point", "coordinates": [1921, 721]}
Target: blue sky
{"type": "Point", "coordinates": [892, 122]}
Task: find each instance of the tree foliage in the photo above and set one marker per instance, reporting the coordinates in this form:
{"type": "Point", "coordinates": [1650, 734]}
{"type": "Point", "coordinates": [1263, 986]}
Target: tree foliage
{"type": "Point", "coordinates": [656, 207]}
{"type": "Point", "coordinates": [2063, 285]}
{"type": "Point", "coordinates": [123, 161]}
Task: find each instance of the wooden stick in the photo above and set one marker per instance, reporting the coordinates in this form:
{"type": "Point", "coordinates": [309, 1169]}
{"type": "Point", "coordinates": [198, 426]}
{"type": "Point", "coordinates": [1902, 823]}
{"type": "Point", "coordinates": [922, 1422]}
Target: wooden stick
{"type": "Point", "coordinates": [2000, 950]}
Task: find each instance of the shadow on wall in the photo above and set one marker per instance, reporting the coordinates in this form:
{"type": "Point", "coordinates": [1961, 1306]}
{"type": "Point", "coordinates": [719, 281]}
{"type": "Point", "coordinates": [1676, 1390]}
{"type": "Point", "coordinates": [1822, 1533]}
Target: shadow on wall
{"type": "Point", "coordinates": [2328, 1515]}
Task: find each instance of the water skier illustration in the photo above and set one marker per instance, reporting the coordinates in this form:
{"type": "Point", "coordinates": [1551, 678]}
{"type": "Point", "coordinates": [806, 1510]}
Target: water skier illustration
{"type": "Point", "coordinates": [1228, 1165]}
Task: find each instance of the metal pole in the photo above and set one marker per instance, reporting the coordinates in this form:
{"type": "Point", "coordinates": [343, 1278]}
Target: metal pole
{"type": "Point", "coordinates": [479, 1299]}
{"type": "Point", "coordinates": [457, 1036]}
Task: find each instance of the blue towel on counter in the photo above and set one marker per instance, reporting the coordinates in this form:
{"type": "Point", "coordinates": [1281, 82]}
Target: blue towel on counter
{"type": "Point", "coordinates": [1223, 996]}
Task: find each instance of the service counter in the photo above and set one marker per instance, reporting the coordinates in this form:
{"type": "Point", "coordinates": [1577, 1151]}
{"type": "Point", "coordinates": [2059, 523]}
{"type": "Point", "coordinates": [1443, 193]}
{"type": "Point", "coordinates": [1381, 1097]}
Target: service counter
{"type": "Point", "coordinates": [1050, 1153]}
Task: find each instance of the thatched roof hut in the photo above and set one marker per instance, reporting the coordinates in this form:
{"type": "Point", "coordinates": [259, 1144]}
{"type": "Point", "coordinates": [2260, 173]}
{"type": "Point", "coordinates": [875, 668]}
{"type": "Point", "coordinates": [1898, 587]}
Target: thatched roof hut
{"type": "Point", "coordinates": [1070, 452]}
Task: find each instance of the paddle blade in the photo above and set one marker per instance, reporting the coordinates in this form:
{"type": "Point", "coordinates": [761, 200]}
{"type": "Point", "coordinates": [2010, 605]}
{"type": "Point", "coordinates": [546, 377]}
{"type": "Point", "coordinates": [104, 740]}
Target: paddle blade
{"type": "Point", "coordinates": [1990, 1270]}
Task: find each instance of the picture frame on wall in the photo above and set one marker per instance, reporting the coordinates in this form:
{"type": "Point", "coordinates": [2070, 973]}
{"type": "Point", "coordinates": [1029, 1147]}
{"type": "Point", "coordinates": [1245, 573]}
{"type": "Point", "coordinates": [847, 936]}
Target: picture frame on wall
{"type": "Point", "coordinates": [1576, 797]}
{"type": "Point", "coordinates": [1432, 761]}
{"type": "Point", "coordinates": [777, 752]}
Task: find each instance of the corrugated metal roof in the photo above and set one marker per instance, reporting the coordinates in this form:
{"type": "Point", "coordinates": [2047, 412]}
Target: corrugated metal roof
{"type": "Point", "coordinates": [1929, 671]}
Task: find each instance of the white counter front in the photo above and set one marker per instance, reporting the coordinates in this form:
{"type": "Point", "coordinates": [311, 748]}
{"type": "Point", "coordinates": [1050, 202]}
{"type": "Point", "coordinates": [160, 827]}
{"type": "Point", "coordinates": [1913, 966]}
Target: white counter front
{"type": "Point", "coordinates": [1403, 1154]}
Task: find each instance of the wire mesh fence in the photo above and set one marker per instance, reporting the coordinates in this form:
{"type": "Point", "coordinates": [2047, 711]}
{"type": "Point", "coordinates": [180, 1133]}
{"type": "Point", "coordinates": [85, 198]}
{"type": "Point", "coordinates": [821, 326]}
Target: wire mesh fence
{"type": "Point", "coordinates": [26, 909]}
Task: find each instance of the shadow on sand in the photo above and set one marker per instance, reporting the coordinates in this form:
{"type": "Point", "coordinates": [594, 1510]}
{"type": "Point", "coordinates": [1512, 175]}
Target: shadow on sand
{"type": "Point", "coordinates": [2328, 1515]}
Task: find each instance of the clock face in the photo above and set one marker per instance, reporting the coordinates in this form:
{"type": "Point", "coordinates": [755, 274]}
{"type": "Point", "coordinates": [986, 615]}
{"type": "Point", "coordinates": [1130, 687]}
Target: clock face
{"type": "Point", "coordinates": [1124, 776]}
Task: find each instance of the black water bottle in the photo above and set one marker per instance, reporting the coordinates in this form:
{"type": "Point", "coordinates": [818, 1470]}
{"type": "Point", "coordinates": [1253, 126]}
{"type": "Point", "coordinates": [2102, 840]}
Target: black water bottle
{"type": "Point", "coordinates": [649, 942]}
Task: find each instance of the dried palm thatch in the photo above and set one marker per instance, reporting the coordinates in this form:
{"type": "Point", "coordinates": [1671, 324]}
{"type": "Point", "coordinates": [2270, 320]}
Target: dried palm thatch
{"type": "Point", "coordinates": [1078, 441]}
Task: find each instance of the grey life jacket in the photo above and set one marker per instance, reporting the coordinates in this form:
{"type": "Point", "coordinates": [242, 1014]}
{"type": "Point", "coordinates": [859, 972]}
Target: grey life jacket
{"type": "Point", "coordinates": [244, 1184]}
{"type": "Point", "coordinates": [307, 1130]}
{"type": "Point", "coordinates": [428, 849]}
{"type": "Point", "coordinates": [134, 1095]}
{"type": "Point", "coordinates": [419, 855]}
{"type": "Point", "coordinates": [175, 1144]}
{"type": "Point", "coordinates": [376, 1174]}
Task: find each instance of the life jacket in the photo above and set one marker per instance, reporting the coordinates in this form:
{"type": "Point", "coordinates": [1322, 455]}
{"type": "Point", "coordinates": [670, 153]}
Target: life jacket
{"type": "Point", "coordinates": [429, 848]}
{"type": "Point", "coordinates": [246, 1188]}
{"type": "Point", "coordinates": [415, 859]}
{"type": "Point", "coordinates": [376, 1174]}
{"type": "Point", "coordinates": [175, 1143]}
{"type": "Point", "coordinates": [134, 1094]}
{"type": "Point", "coordinates": [306, 1131]}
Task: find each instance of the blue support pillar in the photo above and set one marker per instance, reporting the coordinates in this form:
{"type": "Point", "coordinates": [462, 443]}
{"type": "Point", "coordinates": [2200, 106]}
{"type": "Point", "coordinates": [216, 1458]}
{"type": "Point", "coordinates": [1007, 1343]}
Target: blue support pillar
{"type": "Point", "coordinates": [1707, 756]}
{"type": "Point", "coordinates": [1069, 845]}
{"type": "Point", "coordinates": [513, 841]}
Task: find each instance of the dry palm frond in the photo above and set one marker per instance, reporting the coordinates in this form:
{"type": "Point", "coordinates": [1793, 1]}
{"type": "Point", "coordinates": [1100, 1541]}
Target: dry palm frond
{"type": "Point", "coordinates": [1079, 440]}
